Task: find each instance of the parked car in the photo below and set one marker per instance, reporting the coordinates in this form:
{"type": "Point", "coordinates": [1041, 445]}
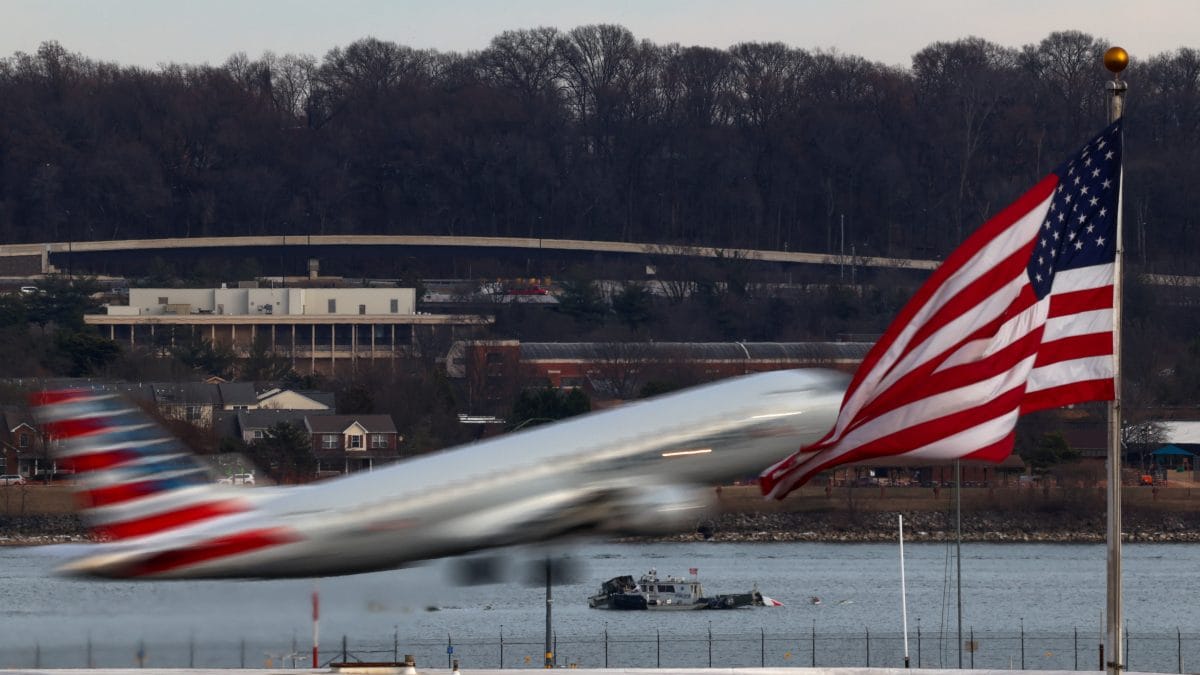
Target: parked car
{"type": "Point", "coordinates": [238, 479]}
{"type": "Point", "coordinates": [12, 479]}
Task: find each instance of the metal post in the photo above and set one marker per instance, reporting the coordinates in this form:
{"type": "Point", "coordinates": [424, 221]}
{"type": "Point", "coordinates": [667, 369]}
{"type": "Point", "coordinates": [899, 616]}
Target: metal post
{"type": "Point", "coordinates": [192, 650]}
{"type": "Point", "coordinates": [316, 631]}
{"type": "Point", "coordinates": [972, 647]}
{"type": "Point", "coordinates": [345, 652]}
{"type": "Point", "coordinates": [814, 644]}
{"type": "Point", "coordinates": [710, 644]}
{"type": "Point", "coordinates": [958, 552]}
{"type": "Point", "coordinates": [657, 648]}
{"type": "Point", "coordinates": [868, 647]}
{"type": "Point", "coordinates": [842, 249]}
{"type": "Point", "coordinates": [903, 592]}
{"type": "Point", "coordinates": [605, 644]}
{"type": "Point", "coordinates": [449, 651]}
{"type": "Point", "coordinates": [1076, 648]}
{"type": "Point", "coordinates": [1126, 646]}
{"type": "Point", "coordinates": [242, 654]}
{"type": "Point", "coordinates": [1115, 60]}
{"type": "Point", "coordinates": [918, 642]}
{"type": "Point", "coordinates": [762, 647]}
{"type": "Point", "coordinates": [501, 646]}
{"type": "Point", "coordinates": [395, 644]}
{"type": "Point", "coordinates": [1179, 648]}
{"type": "Point", "coordinates": [1022, 644]}
{"type": "Point", "coordinates": [549, 631]}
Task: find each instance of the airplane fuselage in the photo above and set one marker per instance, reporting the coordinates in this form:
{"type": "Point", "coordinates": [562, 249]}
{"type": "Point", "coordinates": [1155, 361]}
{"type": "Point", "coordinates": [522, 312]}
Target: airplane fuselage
{"type": "Point", "coordinates": [639, 468]}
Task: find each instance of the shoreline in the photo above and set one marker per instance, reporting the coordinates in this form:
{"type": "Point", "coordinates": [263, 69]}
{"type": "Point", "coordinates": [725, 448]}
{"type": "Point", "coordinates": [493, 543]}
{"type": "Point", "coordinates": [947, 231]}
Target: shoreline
{"type": "Point", "coordinates": [829, 526]}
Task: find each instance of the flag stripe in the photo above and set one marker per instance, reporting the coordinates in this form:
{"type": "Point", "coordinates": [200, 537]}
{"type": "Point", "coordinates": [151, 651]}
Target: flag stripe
{"type": "Point", "coordinates": [1008, 275]}
{"type": "Point", "coordinates": [1074, 302]}
{"type": "Point", "coordinates": [1066, 394]}
{"type": "Point", "coordinates": [957, 259]}
{"type": "Point", "coordinates": [903, 357]}
{"type": "Point", "coordinates": [1019, 316]}
{"type": "Point", "coordinates": [954, 378]}
{"type": "Point", "coordinates": [1074, 347]}
{"type": "Point", "coordinates": [919, 434]}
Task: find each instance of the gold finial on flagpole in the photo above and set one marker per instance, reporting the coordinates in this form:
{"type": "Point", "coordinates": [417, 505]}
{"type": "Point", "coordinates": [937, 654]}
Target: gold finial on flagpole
{"type": "Point", "coordinates": [1116, 60]}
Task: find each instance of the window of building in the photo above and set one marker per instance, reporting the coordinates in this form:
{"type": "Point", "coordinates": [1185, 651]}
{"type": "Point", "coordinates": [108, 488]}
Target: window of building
{"type": "Point", "coordinates": [379, 441]}
{"type": "Point", "coordinates": [162, 299]}
{"type": "Point", "coordinates": [329, 442]}
{"type": "Point", "coordinates": [354, 442]}
{"type": "Point", "coordinates": [395, 306]}
{"type": "Point", "coordinates": [23, 441]}
{"type": "Point", "coordinates": [192, 413]}
{"type": "Point", "coordinates": [362, 309]}
{"type": "Point", "coordinates": [495, 357]}
{"type": "Point", "coordinates": [257, 434]}
{"type": "Point", "coordinates": [333, 306]}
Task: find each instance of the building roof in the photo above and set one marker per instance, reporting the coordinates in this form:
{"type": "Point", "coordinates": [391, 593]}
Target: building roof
{"type": "Point", "coordinates": [203, 393]}
{"type": "Point", "coordinates": [237, 393]}
{"type": "Point", "coordinates": [336, 424]}
{"type": "Point", "coordinates": [695, 351]}
{"type": "Point", "coordinates": [186, 393]}
{"type": "Point", "coordinates": [325, 398]}
{"type": "Point", "coordinates": [265, 419]}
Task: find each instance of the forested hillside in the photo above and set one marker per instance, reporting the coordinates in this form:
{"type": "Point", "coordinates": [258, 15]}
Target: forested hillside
{"type": "Point", "coordinates": [587, 133]}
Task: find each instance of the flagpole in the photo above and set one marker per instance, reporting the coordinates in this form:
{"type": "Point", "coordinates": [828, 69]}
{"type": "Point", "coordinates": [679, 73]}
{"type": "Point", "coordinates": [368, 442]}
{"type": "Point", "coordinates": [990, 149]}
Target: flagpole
{"type": "Point", "coordinates": [1115, 60]}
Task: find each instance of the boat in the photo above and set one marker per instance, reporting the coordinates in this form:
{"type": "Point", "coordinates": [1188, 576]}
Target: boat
{"type": "Point", "coordinates": [651, 592]}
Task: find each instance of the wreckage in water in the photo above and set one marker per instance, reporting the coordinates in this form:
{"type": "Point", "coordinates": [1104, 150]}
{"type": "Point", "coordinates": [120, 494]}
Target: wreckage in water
{"type": "Point", "coordinates": [670, 593]}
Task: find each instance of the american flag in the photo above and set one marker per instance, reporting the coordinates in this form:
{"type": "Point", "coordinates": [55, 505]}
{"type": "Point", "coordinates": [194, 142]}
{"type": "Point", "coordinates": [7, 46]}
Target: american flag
{"type": "Point", "coordinates": [1019, 318]}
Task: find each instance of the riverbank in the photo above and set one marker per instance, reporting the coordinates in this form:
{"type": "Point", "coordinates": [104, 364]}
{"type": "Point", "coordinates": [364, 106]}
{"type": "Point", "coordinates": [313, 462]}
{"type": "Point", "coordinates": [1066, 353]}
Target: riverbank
{"type": "Point", "coordinates": [1054, 525]}
{"type": "Point", "coordinates": [978, 526]}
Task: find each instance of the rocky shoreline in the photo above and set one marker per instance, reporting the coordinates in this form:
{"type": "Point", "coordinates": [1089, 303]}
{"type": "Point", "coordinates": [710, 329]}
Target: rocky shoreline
{"type": "Point", "coordinates": [833, 526]}
{"type": "Point", "coordinates": [41, 529]}
{"type": "Point", "coordinates": [977, 526]}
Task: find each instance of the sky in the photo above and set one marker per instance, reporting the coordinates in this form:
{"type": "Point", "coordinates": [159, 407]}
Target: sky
{"type": "Point", "coordinates": [152, 32]}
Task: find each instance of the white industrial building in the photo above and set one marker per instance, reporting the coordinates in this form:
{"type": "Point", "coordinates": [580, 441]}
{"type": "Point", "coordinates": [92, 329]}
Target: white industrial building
{"type": "Point", "coordinates": [320, 329]}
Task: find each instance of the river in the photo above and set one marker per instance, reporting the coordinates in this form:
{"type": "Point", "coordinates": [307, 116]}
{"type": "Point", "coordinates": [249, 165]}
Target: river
{"type": "Point", "coordinates": [1051, 592]}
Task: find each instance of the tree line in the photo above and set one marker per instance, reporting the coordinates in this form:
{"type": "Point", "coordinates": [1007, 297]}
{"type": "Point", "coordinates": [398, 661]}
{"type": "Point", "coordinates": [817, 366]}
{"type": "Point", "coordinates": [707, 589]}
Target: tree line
{"type": "Point", "coordinates": [586, 133]}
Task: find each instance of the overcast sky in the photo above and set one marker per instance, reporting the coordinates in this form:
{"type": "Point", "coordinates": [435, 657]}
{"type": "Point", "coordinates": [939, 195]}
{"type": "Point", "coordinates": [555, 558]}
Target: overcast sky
{"type": "Point", "coordinates": [150, 32]}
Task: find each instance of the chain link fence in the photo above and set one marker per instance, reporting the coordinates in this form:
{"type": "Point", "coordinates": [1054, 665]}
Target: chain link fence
{"type": "Point", "coordinates": [1073, 650]}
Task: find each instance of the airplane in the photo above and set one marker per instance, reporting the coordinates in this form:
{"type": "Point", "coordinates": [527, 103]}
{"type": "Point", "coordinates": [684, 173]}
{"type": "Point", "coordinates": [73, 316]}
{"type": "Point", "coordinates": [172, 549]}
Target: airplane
{"type": "Point", "coordinates": [642, 468]}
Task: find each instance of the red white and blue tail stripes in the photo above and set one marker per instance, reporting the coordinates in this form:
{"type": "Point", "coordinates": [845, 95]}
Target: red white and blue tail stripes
{"type": "Point", "coordinates": [135, 479]}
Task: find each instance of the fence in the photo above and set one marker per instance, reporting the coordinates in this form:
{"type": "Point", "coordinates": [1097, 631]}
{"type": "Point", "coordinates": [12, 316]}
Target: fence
{"type": "Point", "coordinates": [1074, 650]}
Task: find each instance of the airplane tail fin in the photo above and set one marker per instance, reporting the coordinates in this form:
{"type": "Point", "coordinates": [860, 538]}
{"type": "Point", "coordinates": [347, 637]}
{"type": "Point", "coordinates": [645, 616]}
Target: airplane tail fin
{"type": "Point", "coordinates": [135, 480]}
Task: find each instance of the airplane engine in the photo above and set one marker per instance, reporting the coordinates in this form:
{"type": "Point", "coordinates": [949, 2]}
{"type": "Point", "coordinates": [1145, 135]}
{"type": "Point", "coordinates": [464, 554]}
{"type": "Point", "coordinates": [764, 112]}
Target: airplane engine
{"type": "Point", "coordinates": [666, 509]}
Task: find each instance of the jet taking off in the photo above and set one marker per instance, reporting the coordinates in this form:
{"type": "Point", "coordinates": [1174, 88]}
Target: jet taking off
{"type": "Point", "coordinates": [641, 468]}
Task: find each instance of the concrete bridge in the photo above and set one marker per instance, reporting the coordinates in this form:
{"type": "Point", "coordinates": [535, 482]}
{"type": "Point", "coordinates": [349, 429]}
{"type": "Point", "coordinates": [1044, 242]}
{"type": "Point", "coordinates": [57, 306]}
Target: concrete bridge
{"type": "Point", "coordinates": [32, 259]}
